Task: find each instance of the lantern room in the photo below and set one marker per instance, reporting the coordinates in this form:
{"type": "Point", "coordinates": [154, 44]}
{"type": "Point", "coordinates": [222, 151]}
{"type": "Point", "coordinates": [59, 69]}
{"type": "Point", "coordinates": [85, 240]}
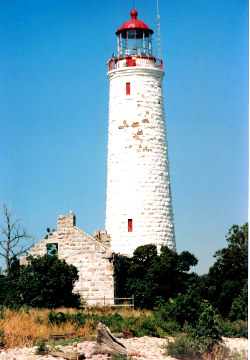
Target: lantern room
{"type": "Point", "coordinates": [134, 37]}
{"type": "Point", "coordinates": [134, 45]}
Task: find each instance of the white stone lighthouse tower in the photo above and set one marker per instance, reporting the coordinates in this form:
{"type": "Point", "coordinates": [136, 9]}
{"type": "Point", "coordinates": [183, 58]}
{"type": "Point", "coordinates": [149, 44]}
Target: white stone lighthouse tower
{"type": "Point", "coordinates": [138, 207]}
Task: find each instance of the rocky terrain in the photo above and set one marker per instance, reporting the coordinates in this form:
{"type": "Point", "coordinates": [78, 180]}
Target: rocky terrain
{"type": "Point", "coordinates": [144, 348]}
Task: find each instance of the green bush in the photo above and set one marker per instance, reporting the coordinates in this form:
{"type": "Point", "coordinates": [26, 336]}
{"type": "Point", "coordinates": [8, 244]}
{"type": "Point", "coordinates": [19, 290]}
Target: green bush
{"type": "Point", "coordinates": [153, 325]}
{"type": "Point", "coordinates": [45, 282]}
{"type": "Point", "coordinates": [184, 347]}
{"type": "Point", "coordinates": [207, 329]}
{"type": "Point", "coordinates": [60, 318]}
{"type": "Point", "coordinates": [224, 353]}
{"type": "Point", "coordinates": [2, 312]}
{"type": "Point", "coordinates": [42, 349]}
{"type": "Point", "coordinates": [120, 357]}
{"type": "Point", "coordinates": [198, 340]}
{"type": "Point", "coordinates": [2, 339]}
{"type": "Point", "coordinates": [38, 320]}
{"type": "Point", "coordinates": [113, 321]}
{"type": "Point", "coordinates": [234, 329]}
{"type": "Point", "coordinates": [130, 324]}
{"type": "Point", "coordinates": [154, 278]}
{"type": "Point", "coordinates": [168, 325]}
{"type": "Point", "coordinates": [79, 319]}
{"type": "Point", "coordinates": [57, 318]}
{"type": "Point", "coordinates": [226, 281]}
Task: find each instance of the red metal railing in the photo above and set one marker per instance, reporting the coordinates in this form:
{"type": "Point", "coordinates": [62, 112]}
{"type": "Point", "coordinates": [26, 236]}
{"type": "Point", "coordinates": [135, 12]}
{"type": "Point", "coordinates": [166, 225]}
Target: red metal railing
{"type": "Point", "coordinates": [130, 61]}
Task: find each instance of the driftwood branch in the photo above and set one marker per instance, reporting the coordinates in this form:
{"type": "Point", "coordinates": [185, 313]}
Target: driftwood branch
{"type": "Point", "coordinates": [67, 356]}
{"type": "Point", "coordinates": [106, 343]}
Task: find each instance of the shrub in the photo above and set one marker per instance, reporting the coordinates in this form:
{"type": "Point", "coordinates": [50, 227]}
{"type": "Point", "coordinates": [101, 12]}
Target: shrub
{"type": "Point", "coordinates": [42, 348]}
{"type": "Point", "coordinates": [57, 318]}
{"type": "Point", "coordinates": [202, 339]}
{"type": "Point", "coordinates": [60, 318]}
{"type": "Point", "coordinates": [168, 326]}
{"type": "Point", "coordinates": [45, 282]}
{"type": "Point", "coordinates": [113, 321]}
{"type": "Point", "coordinates": [38, 320]}
{"type": "Point", "coordinates": [152, 279]}
{"type": "Point", "coordinates": [234, 329]}
{"type": "Point", "coordinates": [207, 329]}
{"type": "Point", "coordinates": [120, 357]}
{"type": "Point", "coordinates": [184, 347]}
{"type": "Point", "coordinates": [2, 312]}
{"type": "Point", "coordinates": [2, 339]}
{"type": "Point", "coordinates": [224, 353]}
{"type": "Point", "coordinates": [79, 319]}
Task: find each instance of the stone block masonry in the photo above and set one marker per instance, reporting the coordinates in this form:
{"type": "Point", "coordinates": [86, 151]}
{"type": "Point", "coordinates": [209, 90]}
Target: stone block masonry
{"type": "Point", "coordinates": [91, 256]}
{"type": "Point", "coordinates": [138, 205]}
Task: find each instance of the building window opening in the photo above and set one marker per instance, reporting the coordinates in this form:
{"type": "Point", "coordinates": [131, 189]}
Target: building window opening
{"type": "Point", "coordinates": [52, 249]}
{"type": "Point", "coordinates": [130, 225]}
{"type": "Point", "coordinates": [128, 88]}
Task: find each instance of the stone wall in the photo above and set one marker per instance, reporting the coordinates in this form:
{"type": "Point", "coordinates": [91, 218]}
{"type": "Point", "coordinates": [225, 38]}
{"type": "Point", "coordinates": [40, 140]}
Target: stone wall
{"type": "Point", "coordinates": [92, 257]}
{"type": "Point", "coordinates": [138, 181]}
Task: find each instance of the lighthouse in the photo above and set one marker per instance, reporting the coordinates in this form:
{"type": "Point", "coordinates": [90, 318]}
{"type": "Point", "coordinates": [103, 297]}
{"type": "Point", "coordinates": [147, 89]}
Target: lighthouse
{"type": "Point", "coordinates": [138, 204]}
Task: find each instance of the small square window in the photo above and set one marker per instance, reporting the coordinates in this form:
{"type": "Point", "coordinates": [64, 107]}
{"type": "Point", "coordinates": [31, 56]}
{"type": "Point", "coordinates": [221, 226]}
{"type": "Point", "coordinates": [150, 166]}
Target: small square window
{"type": "Point", "coordinates": [52, 249]}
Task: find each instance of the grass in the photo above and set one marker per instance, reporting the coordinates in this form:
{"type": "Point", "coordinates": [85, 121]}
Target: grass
{"type": "Point", "coordinates": [28, 327]}
{"type": "Point", "coordinates": [24, 328]}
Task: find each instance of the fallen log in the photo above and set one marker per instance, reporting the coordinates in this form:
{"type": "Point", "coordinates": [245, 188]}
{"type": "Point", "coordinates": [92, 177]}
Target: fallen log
{"type": "Point", "coordinates": [107, 343]}
{"type": "Point", "coordinates": [67, 356]}
{"type": "Point", "coordinates": [123, 335]}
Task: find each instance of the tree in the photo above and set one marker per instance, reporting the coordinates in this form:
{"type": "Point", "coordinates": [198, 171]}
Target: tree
{"type": "Point", "coordinates": [187, 306]}
{"type": "Point", "coordinates": [12, 236]}
{"type": "Point", "coordinates": [45, 282]}
{"type": "Point", "coordinates": [154, 278]}
{"type": "Point", "coordinates": [226, 280]}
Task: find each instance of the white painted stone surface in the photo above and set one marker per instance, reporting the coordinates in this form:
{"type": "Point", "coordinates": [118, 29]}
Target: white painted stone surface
{"type": "Point", "coordinates": [92, 257]}
{"type": "Point", "coordinates": [138, 183]}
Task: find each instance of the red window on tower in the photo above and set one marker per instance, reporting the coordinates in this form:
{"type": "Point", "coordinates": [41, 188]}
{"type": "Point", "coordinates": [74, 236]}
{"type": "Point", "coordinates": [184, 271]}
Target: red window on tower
{"type": "Point", "coordinates": [127, 88]}
{"type": "Point", "coordinates": [130, 225]}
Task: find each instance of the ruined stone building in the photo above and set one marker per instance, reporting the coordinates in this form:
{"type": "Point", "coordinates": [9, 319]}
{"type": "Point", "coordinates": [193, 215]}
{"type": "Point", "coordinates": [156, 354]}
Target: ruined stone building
{"type": "Point", "coordinates": [91, 255]}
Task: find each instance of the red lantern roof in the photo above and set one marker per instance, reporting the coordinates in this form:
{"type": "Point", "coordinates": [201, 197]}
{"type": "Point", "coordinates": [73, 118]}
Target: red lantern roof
{"type": "Point", "coordinates": [134, 23]}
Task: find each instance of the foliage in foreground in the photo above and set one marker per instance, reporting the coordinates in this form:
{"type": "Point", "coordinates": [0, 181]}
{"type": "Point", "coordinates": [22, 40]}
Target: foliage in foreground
{"type": "Point", "coordinates": [142, 325]}
{"type": "Point", "coordinates": [164, 281]}
{"type": "Point", "coordinates": [120, 357]}
{"type": "Point", "coordinates": [42, 349]}
{"type": "Point", "coordinates": [225, 286]}
{"type": "Point", "coordinates": [29, 326]}
{"type": "Point", "coordinates": [45, 282]}
{"type": "Point", "coordinates": [2, 339]}
{"type": "Point", "coordinates": [154, 278]}
{"type": "Point", "coordinates": [204, 342]}
{"type": "Point", "coordinates": [199, 340]}
{"type": "Point", "coordinates": [185, 348]}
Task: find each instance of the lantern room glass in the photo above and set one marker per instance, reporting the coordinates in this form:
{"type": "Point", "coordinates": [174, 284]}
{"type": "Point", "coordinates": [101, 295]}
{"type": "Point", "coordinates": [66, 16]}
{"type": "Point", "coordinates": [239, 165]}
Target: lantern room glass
{"type": "Point", "coordinates": [134, 42]}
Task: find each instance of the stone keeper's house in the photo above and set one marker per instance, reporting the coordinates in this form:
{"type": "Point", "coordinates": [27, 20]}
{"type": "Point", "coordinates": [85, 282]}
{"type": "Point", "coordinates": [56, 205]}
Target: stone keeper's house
{"type": "Point", "coordinates": [92, 256]}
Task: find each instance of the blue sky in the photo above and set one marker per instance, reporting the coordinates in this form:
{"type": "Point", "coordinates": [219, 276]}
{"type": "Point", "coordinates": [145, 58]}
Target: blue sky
{"type": "Point", "coordinates": [54, 112]}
